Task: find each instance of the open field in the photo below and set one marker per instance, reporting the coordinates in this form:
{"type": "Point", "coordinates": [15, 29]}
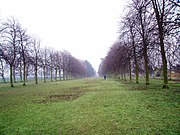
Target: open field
{"type": "Point", "coordinates": [90, 106]}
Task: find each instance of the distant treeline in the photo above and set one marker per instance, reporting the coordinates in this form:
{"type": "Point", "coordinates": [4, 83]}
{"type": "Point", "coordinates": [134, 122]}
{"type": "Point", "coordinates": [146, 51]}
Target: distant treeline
{"type": "Point", "coordinates": [21, 57]}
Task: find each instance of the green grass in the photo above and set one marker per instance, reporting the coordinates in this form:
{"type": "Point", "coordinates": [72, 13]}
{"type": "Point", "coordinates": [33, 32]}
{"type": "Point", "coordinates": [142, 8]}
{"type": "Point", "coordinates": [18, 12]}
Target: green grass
{"type": "Point", "coordinates": [90, 106]}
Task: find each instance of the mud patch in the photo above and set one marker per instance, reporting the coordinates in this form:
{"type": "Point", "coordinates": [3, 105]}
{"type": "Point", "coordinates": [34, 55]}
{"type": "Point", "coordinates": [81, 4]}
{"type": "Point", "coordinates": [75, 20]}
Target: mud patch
{"type": "Point", "coordinates": [67, 94]}
{"type": "Point", "coordinates": [67, 97]}
{"type": "Point", "coordinates": [79, 88]}
{"type": "Point", "coordinates": [59, 97]}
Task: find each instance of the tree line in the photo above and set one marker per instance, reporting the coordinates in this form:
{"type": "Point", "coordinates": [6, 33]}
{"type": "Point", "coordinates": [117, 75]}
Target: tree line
{"type": "Point", "coordinates": [22, 57]}
{"type": "Point", "coordinates": [149, 40]}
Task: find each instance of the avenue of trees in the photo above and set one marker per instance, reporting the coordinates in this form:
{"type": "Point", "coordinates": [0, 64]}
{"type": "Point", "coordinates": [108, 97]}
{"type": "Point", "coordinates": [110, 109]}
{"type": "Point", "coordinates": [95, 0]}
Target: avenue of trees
{"type": "Point", "coordinates": [149, 42]}
{"type": "Point", "coordinates": [22, 58]}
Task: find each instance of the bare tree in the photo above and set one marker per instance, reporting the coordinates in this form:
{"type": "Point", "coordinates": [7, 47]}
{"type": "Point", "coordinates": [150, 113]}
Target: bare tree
{"type": "Point", "coordinates": [36, 53]}
{"type": "Point", "coordinates": [115, 63]}
{"type": "Point", "coordinates": [10, 43]}
{"type": "Point", "coordinates": [24, 56]}
{"type": "Point", "coordinates": [89, 69]}
{"type": "Point", "coordinates": [129, 27]}
{"type": "Point", "coordinates": [51, 62]}
{"type": "Point", "coordinates": [57, 64]}
{"type": "Point", "coordinates": [144, 26]}
{"type": "Point", "coordinates": [77, 68]}
{"type": "Point", "coordinates": [25, 41]}
{"type": "Point", "coordinates": [163, 10]}
{"type": "Point", "coordinates": [44, 62]}
{"type": "Point", "coordinates": [173, 52]}
{"type": "Point", "coordinates": [65, 63]}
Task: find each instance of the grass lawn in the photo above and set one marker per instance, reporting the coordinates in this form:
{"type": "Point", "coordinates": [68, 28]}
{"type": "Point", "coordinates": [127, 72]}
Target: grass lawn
{"type": "Point", "coordinates": [90, 106]}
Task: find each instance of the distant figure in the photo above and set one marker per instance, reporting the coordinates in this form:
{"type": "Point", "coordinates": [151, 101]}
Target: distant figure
{"type": "Point", "coordinates": [104, 77]}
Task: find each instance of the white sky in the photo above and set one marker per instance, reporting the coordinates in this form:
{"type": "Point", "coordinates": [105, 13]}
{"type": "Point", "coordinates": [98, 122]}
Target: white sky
{"type": "Point", "coordinates": [86, 28]}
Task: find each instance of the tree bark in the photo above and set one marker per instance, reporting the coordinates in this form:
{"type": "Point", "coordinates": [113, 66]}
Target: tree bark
{"type": "Point", "coordinates": [125, 77]}
{"type": "Point", "coordinates": [56, 73]}
{"type": "Point", "coordinates": [24, 75]}
{"type": "Point", "coordinates": [59, 74]}
{"type": "Point", "coordinates": [130, 75]}
{"type": "Point", "coordinates": [136, 63]}
{"type": "Point", "coordinates": [11, 76]}
{"type": "Point", "coordinates": [144, 48]}
{"type": "Point", "coordinates": [36, 64]}
{"type": "Point", "coordinates": [163, 54]}
{"type": "Point", "coordinates": [45, 65]}
{"type": "Point", "coordinates": [165, 85]}
{"type": "Point", "coordinates": [170, 70]}
{"type": "Point", "coordinates": [14, 74]}
{"type": "Point", "coordinates": [51, 73]}
{"type": "Point", "coordinates": [146, 66]}
{"type": "Point", "coordinates": [160, 18]}
{"type": "Point", "coordinates": [63, 74]}
{"type": "Point", "coordinates": [36, 80]}
{"type": "Point", "coordinates": [135, 57]}
{"type": "Point", "coordinates": [24, 68]}
{"type": "Point", "coordinates": [44, 70]}
{"type": "Point", "coordinates": [20, 70]}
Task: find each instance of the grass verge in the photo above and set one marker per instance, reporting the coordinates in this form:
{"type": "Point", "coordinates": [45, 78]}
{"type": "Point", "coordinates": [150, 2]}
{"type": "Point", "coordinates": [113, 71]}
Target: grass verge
{"type": "Point", "coordinates": [90, 106]}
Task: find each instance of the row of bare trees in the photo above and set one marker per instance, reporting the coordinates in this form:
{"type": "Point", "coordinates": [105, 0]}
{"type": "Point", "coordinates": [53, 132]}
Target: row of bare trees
{"type": "Point", "coordinates": [149, 40]}
{"type": "Point", "coordinates": [21, 57]}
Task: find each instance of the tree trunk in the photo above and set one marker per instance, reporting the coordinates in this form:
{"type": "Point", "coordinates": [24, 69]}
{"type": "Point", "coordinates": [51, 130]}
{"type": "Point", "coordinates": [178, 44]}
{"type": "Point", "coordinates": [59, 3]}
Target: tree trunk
{"type": "Point", "coordinates": [63, 74]}
{"type": "Point", "coordinates": [122, 77]}
{"type": "Point", "coordinates": [51, 73]}
{"type": "Point", "coordinates": [170, 70]}
{"type": "Point", "coordinates": [20, 71]}
{"type": "Point", "coordinates": [59, 74]}
{"type": "Point", "coordinates": [136, 64]}
{"type": "Point", "coordinates": [146, 66]}
{"type": "Point", "coordinates": [45, 65]}
{"type": "Point", "coordinates": [44, 70]}
{"type": "Point", "coordinates": [165, 85]}
{"type": "Point", "coordinates": [144, 42]}
{"type": "Point", "coordinates": [135, 58]}
{"type": "Point", "coordinates": [11, 76]}
{"type": "Point", "coordinates": [24, 68]}
{"type": "Point", "coordinates": [14, 74]}
{"type": "Point", "coordinates": [36, 70]}
{"type": "Point", "coordinates": [36, 79]}
{"type": "Point", "coordinates": [137, 73]}
{"type": "Point", "coordinates": [56, 73]}
{"type": "Point", "coordinates": [27, 70]}
{"type": "Point", "coordinates": [24, 75]}
{"type": "Point", "coordinates": [159, 18]}
{"type": "Point", "coordinates": [130, 75]}
{"type": "Point", "coordinates": [163, 54]}
{"type": "Point", "coordinates": [125, 77]}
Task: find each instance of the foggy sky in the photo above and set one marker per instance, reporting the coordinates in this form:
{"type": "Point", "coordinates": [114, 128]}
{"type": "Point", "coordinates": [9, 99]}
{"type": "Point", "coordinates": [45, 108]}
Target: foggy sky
{"type": "Point", "coordinates": [86, 28]}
